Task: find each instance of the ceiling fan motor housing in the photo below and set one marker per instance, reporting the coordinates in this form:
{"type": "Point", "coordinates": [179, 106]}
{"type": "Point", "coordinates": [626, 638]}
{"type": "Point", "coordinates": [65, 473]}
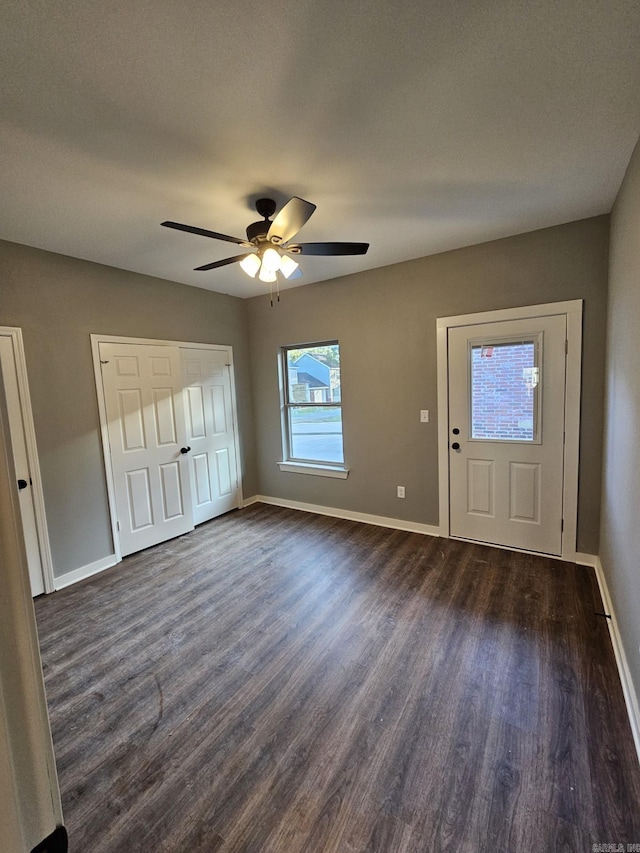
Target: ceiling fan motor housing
{"type": "Point", "coordinates": [266, 207]}
{"type": "Point", "coordinates": [258, 230]}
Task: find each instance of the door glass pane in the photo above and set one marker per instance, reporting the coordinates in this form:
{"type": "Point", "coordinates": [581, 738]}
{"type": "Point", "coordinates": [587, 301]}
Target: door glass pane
{"type": "Point", "coordinates": [316, 433]}
{"type": "Point", "coordinates": [504, 391]}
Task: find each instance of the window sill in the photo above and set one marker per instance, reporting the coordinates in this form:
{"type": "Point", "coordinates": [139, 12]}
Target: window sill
{"type": "Point", "coordinates": [315, 469]}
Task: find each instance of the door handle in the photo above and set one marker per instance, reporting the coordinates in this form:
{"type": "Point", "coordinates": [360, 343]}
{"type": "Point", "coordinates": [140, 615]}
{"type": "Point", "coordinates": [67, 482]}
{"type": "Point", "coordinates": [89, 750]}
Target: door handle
{"type": "Point", "coordinates": [22, 484]}
{"type": "Point", "coordinates": [455, 446]}
{"type": "Point", "coordinates": [184, 450]}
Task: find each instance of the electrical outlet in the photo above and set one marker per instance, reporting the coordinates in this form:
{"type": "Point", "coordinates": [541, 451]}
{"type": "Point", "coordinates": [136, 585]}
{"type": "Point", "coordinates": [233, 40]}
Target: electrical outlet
{"type": "Point", "coordinates": [424, 416]}
{"type": "Point", "coordinates": [400, 491]}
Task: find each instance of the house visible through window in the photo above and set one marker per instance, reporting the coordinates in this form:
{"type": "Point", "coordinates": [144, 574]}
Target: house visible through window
{"type": "Point", "coordinates": [312, 402]}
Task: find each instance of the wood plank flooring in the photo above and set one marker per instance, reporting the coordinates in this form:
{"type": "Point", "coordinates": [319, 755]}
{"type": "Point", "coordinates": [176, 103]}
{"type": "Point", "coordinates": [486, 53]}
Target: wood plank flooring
{"type": "Point", "coordinates": [279, 682]}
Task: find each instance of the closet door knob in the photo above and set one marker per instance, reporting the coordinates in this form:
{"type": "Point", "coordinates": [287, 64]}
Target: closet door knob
{"type": "Point", "coordinates": [184, 450]}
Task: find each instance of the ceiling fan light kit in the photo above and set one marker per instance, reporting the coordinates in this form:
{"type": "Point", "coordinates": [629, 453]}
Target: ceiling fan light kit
{"type": "Point", "coordinates": [251, 264]}
{"type": "Point", "coordinates": [288, 266]}
{"type": "Point", "coordinates": [269, 241]}
{"type": "Point", "coordinates": [271, 259]}
{"type": "Point", "coordinates": [267, 275]}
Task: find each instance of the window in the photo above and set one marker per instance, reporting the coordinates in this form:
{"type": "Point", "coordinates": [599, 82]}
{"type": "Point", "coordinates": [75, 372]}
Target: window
{"type": "Point", "coordinates": [312, 411]}
{"type": "Point", "coordinates": [505, 390]}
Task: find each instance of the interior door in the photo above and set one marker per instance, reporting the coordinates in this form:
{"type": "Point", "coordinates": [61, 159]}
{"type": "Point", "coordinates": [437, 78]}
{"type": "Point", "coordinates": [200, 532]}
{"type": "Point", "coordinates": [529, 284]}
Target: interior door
{"type": "Point", "coordinates": [210, 432]}
{"type": "Point", "coordinates": [146, 427]}
{"type": "Point", "coordinates": [21, 464]}
{"type": "Point", "coordinates": [506, 432]}
{"type": "Point", "coordinates": [30, 806]}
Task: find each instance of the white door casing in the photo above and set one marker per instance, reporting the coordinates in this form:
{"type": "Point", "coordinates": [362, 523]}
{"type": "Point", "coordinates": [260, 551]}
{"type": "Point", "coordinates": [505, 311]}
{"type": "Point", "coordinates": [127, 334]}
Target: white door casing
{"type": "Point", "coordinates": [505, 473]}
{"type": "Point", "coordinates": [519, 492]}
{"type": "Point", "coordinates": [210, 431]}
{"type": "Point", "coordinates": [25, 459]}
{"type": "Point", "coordinates": [146, 427]}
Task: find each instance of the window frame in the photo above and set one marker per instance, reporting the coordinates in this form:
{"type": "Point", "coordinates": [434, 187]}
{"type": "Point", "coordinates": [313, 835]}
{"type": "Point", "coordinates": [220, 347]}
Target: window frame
{"type": "Point", "coordinates": [296, 464]}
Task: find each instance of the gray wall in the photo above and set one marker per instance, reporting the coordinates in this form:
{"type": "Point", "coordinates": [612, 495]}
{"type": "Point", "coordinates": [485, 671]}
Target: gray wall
{"type": "Point", "coordinates": [385, 317]}
{"type": "Point", "coordinates": [58, 302]}
{"type": "Point", "coordinates": [385, 321]}
{"type": "Point", "coordinates": [620, 547]}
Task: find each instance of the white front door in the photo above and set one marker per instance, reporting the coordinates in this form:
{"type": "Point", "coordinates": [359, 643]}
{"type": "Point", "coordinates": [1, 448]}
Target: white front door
{"type": "Point", "coordinates": [21, 465]}
{"type": "Point", "coordinates": [506, 432]}
{"type": "Point", "coordinates": [146, 426]}
{"type": "Point", "coordinates": [210, 432]}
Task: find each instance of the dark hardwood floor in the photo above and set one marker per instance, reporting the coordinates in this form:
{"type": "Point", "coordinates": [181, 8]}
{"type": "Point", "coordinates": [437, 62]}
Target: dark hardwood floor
{"type": "Point", "coordinates": [279, 682]}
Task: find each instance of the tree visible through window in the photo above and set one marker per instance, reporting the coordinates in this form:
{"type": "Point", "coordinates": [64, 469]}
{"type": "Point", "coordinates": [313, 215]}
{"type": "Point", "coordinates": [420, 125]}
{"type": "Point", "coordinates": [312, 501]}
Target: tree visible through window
{"type": "Point", "coordinates": [313, 403]}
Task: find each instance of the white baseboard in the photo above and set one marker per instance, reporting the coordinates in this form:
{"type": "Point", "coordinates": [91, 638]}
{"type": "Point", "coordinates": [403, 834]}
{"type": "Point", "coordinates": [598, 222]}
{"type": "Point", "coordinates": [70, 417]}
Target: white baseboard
{"type": "Point", "coordinates": [585, 559]}
{"type": "Point", "coordinates": [248, 501]}
{"type": "Point", "coordinates": [348, 515]}
{"type": "Point", "coordinates": [630, 695]}
{"type": "Point", "coordinates": [85, 571]}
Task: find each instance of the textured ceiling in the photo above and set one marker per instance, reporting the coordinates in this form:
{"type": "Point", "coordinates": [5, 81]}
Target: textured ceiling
{"type": "Point", "coordinates": [415, 126]}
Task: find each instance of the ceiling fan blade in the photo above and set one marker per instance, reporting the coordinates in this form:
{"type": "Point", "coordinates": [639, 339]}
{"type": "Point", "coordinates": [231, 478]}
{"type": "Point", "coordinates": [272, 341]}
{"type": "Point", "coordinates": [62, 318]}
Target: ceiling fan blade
{"type": "Point", "coordinates": [328, 248]}
{"type": "Point", "coordinates": [290, 220]}
{"type": "Point", "coordinates": [223, 263]}
{"type": "Point", "coordinates": [191, 229]}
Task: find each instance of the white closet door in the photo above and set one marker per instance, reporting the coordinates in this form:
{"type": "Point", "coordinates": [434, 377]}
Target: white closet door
{"type": "Point", "coordinates": [210, 432]}
{"type": "Point", "coordinates": [146, 426]}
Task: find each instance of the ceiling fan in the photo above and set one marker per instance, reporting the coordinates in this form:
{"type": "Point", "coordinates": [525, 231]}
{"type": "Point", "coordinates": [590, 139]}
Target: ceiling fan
{"type": "Point", "coordinates": [268, 241]}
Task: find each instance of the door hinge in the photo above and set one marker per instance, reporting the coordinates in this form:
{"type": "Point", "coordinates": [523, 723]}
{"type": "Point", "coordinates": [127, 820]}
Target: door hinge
{"type": "Point", "coordinates": [566, 347]}
{"type": "Point", "coordinates": [117, 525]}
{"type": "Point", "coordinates": [562, 526]}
